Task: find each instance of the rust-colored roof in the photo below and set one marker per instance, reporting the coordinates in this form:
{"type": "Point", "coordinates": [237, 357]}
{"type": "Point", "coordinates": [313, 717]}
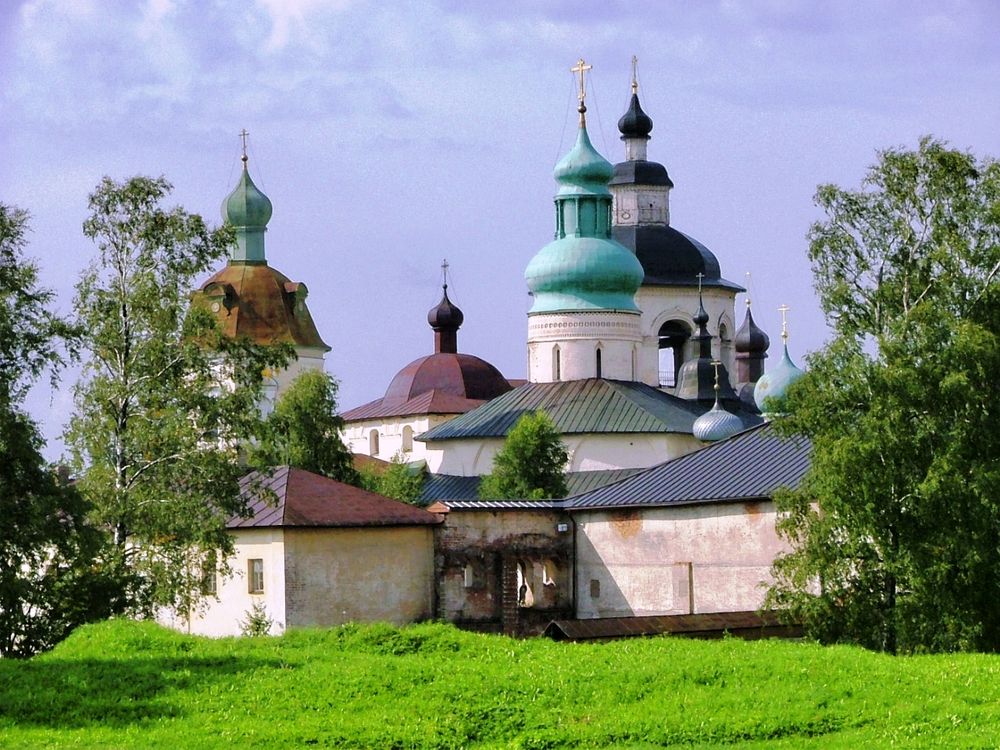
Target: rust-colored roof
{"type": "Point", "coordinates": [750, 625]}
{"type": "Point", "coordinates": [298, 498]}
{"type": "Point", "coordinates": [462, 375]}
{"type": "Point", "coordinates": [430, 402]}
{"type": "Point", "coordinates": [252, 300]}
{"type": "Point", "coordinates": [363, 460]}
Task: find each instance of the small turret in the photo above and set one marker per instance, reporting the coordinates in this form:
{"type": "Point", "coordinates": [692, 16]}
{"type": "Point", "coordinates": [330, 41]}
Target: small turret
{"type": "Point", "coordinates": [248, 210]}
{"type": "Point", "coordinates": [695, 378]}
{"type": "Point", "coordinates": [716, 423]}
{"type": "Point", "coordinates": [445, 318]}
{"type": "Point", "coordinates": [774, 384]}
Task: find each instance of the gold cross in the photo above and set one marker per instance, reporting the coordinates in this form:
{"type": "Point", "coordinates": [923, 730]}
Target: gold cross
{"type": "Point", "coordinates": [784, 322]}
{"type": "Point", "coordinates": [700, 276]}
{"type": "Point", "coordinates": [748, 288]}
{"type": "Point", "coordinates": [635, 79]}
{"type": "Point", "coordinates": [444, 272]}
{"type": "Point", "coordinates": [243, 137]}
{"type": "Point", "coordinates": [581, 67]}
{"type": "Point", "coordinates": [715, 366]}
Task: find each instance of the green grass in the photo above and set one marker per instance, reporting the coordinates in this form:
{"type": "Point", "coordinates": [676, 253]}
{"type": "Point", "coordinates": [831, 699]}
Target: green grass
{"type": "Point", "coordinates": [125, 684]}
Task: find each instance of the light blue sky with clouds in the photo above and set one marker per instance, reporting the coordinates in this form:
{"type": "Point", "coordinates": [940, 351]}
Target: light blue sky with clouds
{"type": "Point", "coordinates": [392, 135]}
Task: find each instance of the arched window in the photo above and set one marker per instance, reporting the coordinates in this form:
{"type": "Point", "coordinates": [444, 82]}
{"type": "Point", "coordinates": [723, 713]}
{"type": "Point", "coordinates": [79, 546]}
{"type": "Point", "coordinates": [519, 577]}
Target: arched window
{"type": "Point", "coordinates": [407, 439]}
{"type": "Point", "coordinates": [556, 364]}
{"type": "Point", "coordinates": [598, 362]}
{"type": "Point", "coordinates": [672, 336]}
{"type": "Point", "coordinates": [373, 443]}
{"type": "Point", "coordinates": [635, 362]}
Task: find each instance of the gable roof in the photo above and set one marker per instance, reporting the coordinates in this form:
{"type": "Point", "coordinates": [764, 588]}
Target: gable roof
{"type": "Point", "coordinates": [292, 497]}
{"type": "Point", "coordinates": [751, 465]}
{"type": "Point", "coordinates": [581, 406]}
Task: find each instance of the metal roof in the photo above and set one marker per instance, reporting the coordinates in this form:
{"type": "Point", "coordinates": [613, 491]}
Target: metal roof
{"type": "Point", "coordinates": [748, 466]}
{"type": "Point", "coordinates": [429, 402]}
{"type": "Point", "coordinates": [705, 625]}
{"type": "Point", "coordinates": [449, 487]}
{"type": "Point", "coordinates": [294, 497]}
{"type": "Point", "coordinates": [581, 406]}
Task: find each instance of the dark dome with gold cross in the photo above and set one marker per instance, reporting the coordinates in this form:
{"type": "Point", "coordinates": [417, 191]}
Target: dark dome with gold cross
{"type": "Point", "coordinates": [248, 297]}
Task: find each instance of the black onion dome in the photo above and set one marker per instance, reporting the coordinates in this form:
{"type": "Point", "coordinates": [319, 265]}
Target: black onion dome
{"type": "Point", "coordinates": [635, 123]}
{"type": "Point", "coordinates": [445, 316]}
{"type": "Point", "coordinates": [750, 338]}
{"type": "Point", "coordinates": [701, 317]}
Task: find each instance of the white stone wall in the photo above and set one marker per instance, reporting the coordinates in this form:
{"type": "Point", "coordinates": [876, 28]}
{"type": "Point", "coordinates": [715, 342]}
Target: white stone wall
{"type": "Point", "coordinates": [222, 616]}
{"type": "Point", "coordinates": [275, 384]}
{"type": "Point", "coordinates": [577, 337]}
{"type": "Point", "coordinates": [392, 434]}
{"type": "Point", "coordinates": [714, 557]}
{"type": "Point", "coordinates": [588, 452]}
{"type": "Point", "coordinates": [662, 304]}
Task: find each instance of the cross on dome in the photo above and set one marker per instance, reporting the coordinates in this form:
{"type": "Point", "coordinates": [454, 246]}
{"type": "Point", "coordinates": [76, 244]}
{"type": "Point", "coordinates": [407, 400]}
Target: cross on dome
{"type": "Point", "coordinates": [784, 321]}
{"type": "Point", "coordinates": [635, 77]}
{"type": "Point", "coordinates": [244, 134]}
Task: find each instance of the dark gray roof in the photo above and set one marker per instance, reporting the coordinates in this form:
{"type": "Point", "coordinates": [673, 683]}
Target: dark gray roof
{"type": "Point", "coordinates": [671, 258]}
{"type": "Point", "coordinates": [747, 466]}
{"type": "Point", "coordinates": [449, 487]}
{"type": "Point", "coordinates": [582, 406]}
{"type": "Point", "coordinates": [640, 173]}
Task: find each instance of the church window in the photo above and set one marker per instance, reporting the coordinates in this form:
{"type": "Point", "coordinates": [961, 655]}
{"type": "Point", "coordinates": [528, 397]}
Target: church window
{"type": "Point", "coordinates": [407, 438]}
{"type": "Point", "coordinates": [635, 358]}
{"type": "Point", "coordinates": [673, 335]}
{"type": "Point", "coordinates": [209, 578]}
{"type": "Point", "coordinates": [598, 363]}
{"type": "Point", "coordinates": [556, 364]}
{"type": "Point", "coordinates": [595, 588]}
{"type": "Point", "coordinates": [255, 576]}
{"type": "Point", "coordinates": [373, 443]}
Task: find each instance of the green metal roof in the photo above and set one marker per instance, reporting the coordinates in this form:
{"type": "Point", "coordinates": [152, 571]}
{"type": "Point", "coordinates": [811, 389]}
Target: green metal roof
{"type": "Point", "coordinates": [581, 406]}
{"type": "Point", "coordinates": [448, 487]}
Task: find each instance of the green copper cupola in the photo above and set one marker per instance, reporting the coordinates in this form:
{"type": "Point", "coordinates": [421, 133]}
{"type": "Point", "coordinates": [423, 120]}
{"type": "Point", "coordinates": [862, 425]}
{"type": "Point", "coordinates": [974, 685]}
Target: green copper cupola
{"type": "Point", "coordinates": [583, 268]}
{"type": "Point", "coordinates": [248, 210]}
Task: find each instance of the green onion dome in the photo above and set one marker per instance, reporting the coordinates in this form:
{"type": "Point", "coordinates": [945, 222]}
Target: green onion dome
{"type": "Point", "coordinates": [583, 268]}
{"type": "Point", "coordinates": [246, 206]}
{"type": "Point", "coordinates": [774, 384]}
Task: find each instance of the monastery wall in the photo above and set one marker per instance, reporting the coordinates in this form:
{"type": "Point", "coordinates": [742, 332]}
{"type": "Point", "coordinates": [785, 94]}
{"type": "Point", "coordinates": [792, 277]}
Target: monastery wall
{"type": "Point", "coordinates": [713, 557]}
{"type": "Point", "coordinates": [223, 617]}
{"type": "Point", "coordinates": [508, 571]}
{"type": "Point", "coordinates": [356, 574]}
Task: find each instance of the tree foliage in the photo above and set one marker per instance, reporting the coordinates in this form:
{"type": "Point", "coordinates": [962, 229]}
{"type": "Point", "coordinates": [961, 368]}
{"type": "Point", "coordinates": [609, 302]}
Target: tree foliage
{"type": "Point", "coordinates": [896, 527]}
{"type": "Point", "coordinates": [304, 430]}
{"type": "Point", "coordinates": [48, 555]}
{"type": "Point", "coordinates": [531, 464]}
{"type": "Point", "coordinates": [165, 400]}
{"type": "Point", "coordinates": [399, 480]}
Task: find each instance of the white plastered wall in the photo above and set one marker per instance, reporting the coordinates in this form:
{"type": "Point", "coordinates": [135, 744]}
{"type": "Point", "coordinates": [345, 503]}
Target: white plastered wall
{"type": "Point", "coordinates": [588, 452]}
{"type": "Point", "coordinates": [578, 335]}
{"type": "Point", "coordinates": [222, 616]}
{"type": "Point", "coordinates": [391, 435]}
{"type": "Point", "coordinates": [713, 557]}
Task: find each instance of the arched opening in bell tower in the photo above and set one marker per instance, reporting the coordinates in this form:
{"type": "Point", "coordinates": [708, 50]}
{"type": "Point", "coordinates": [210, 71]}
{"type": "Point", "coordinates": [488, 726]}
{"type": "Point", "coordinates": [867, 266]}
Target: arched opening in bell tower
{"type": "Point", "coordinates": [672, 337]}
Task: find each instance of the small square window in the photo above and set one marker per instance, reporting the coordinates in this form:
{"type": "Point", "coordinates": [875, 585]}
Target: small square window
{"type": "Point", "coordinates": [255, 576]}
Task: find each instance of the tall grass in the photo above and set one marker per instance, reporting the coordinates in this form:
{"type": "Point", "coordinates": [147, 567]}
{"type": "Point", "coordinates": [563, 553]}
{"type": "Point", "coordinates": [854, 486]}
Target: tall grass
{"type": "Point", "coordinates": [126, 684]}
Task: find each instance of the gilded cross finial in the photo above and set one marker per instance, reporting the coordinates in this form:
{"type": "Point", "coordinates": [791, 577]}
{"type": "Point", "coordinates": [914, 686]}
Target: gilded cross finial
{"type": "Point", "coordinates": [700, 276]}
{"type": "Point", "coordinates": [444, 273]}
{"type": "Point", "coordinates": [581, 69]}
{"type": "Point", "coordinates": [784, 321]}
{"type": "Point", "coordinates": [716, 364]}
{"type": "Point", "coordinates": [635, 77]}
{"type": "Point", "coordinates": [243, 137]}
{"type": "Point", "coordinates": [747, 274]}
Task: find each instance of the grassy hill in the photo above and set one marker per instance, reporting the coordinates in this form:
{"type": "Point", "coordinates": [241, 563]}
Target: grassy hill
{"type": "Point", "coordinates": [124, 684]}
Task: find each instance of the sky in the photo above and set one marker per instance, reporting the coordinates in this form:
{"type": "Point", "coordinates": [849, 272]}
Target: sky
{"type": "Point", "coordinates": [390, 136]}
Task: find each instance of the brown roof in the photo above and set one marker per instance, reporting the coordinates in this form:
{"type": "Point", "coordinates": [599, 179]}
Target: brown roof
{"type": "Point", "coordinates": [295, 497]}
{"type": "Point", "coordinates": [253, 300]}
{"type": "Point", "coordinates": [430, 402]}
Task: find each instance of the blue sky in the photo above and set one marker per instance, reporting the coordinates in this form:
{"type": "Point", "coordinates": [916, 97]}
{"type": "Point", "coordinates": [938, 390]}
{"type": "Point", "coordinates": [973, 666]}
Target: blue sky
{"type": "Point", "coordinates": [390, 136]}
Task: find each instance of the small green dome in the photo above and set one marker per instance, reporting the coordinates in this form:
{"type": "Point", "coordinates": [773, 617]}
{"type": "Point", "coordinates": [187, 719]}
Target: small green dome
{"type": "Point", "coordinates": [583, 170]}
{"type": "Point", "coordinates": [774, 384]}
{"type": "Point", "coordinates": [583, 268]}
{"type": "Point", "coordinates": [246, 206]}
